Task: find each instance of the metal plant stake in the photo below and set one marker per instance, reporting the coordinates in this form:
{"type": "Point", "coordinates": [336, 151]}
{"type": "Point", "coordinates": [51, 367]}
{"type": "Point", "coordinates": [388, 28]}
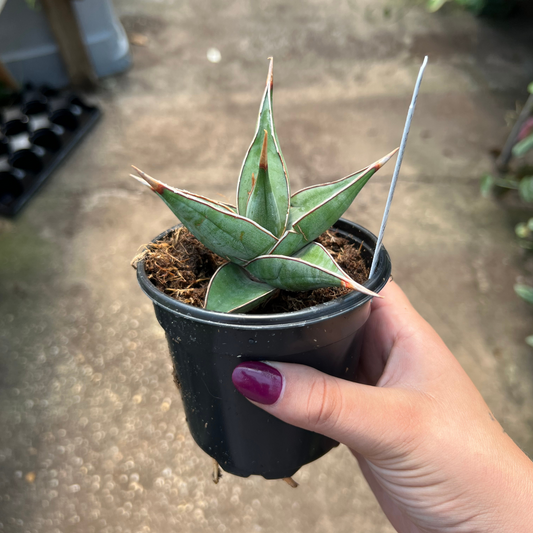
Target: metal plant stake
{"type": "Point", "coordinates": [405, 134]}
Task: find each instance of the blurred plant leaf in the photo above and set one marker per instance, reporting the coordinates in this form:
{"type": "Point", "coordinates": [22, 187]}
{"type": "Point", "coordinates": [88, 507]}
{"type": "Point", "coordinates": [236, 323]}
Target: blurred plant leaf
{"type": "Point", "coordinates": [530, 88]}
{"type": "Point", "coordinates": [486, 185]}
{"type": "Point", "coordinates": [529, 340]}
{"type": "Point", "coordinates": [525, 188]}
{"type": "Point", "coordinates": [489, 182]}
{"type": "Point", "coordinates": [525, 292]}
{"type": "Point", "coordinates": [522, 231]}
{"type": "Point", "coordinates": [524, 243]}
{"type": "Point", "coordinates": [435, 5]}
{"type": "Point", "coordinates": [521, 148]}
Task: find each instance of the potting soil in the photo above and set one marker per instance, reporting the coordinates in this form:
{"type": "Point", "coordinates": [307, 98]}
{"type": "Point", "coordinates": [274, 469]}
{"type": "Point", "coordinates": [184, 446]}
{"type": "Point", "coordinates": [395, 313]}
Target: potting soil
{"type": "Point", "coordinates": [181, 266]}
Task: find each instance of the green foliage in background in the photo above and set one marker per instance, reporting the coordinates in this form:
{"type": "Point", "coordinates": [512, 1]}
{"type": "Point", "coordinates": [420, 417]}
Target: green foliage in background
{"type": "Point", "coordinates": [488, 8]}
{"type": "Point", "coordinates": [521, 180]}
{"type": "Point", "coordinates": [526, 293]}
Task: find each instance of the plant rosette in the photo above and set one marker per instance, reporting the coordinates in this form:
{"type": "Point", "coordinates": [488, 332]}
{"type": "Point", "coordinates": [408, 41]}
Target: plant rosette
{"type": "Point", "coordinates": [267, 240]}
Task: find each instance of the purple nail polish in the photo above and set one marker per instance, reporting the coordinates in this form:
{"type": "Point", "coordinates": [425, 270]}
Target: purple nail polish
{"type": "Point", "coordinates": [258, 382]}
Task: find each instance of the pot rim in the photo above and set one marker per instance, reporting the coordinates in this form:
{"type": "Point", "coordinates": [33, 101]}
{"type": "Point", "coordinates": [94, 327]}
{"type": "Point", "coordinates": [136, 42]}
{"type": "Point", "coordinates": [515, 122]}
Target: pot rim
{"type": "Point", "coordinates": [303, 317]}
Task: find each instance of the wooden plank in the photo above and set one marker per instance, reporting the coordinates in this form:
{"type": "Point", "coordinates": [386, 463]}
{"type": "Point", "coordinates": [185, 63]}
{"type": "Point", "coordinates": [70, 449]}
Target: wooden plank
{"type": "Point", "coordinates": [66, 29]}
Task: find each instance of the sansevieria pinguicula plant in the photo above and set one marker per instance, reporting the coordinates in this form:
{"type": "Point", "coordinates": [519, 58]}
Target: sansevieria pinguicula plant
{"type": "Point", "coordinates": [268, 237]}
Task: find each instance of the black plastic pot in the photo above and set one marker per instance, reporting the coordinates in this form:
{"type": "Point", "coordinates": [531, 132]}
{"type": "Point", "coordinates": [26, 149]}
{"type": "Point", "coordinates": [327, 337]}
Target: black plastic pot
{"type": "Point", "coordinates": [206, 347]}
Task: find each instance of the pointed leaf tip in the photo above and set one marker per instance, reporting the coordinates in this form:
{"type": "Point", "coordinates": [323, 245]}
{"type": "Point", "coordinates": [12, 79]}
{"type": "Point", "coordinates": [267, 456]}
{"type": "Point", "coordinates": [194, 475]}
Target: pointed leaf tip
{"type": "Point", "coordinates": [154, 184]}
{"type": "Point", "coordinates": [140, 180]}
{"type": "Point", "coordinates": [351, 284]}
{"type": "Point", "coordinates": [270, 75]}
{"type": "Point", "coordinates": [277, 170]}
{"type": "Point", "coordinates": [381, 162]}
{"type": "Point", "coordinates": [316, 208]}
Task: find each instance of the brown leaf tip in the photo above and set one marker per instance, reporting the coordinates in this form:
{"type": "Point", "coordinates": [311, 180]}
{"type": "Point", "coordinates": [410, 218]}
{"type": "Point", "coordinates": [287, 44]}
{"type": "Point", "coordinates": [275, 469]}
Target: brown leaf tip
{"type": "Point", "coordinates": [156, 185]}
{"type": "Point", "coordinates": [263, 161]}
{"type": "Point", "coordinates": [350, 284]}
{"type": "Point", "coordinates": [381, 162]}
{"type": "Point", "coordinates": [270, 76]}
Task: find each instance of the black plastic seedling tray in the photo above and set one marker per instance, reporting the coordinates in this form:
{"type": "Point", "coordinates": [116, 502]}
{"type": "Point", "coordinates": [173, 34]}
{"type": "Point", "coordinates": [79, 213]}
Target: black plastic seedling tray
{"type": "Point", "coordinates": [38, 129]}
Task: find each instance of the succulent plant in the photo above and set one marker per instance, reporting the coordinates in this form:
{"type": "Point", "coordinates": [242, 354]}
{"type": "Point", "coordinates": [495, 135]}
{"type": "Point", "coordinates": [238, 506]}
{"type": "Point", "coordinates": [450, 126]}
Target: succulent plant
{"type": "Point", "coordinates": [268, 237]}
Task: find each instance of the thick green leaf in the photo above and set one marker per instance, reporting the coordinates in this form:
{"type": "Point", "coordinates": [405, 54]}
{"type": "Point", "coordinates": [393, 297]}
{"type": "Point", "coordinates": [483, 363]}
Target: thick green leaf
{"type": "Point", "coordinates": [277, 169]}
{"type": "Point", "coordinates": [315, 209]}
{"type": "Point", "coordinates": [232, 291]}
{"type": "Point", "coordinates": [262, 206]}
{"type": "Point", "coordinates": [317, 255]}
{"type": "Point", "coordinates": [314, 268]}
{"type": "Point", "coordinates": [215, 225]}
{"type": "Point", "coordinates": [521, 148]}
{"type": "Point", "coordinates": [525, 188]}
{"type": "Point", "coordinates": [525, 292]}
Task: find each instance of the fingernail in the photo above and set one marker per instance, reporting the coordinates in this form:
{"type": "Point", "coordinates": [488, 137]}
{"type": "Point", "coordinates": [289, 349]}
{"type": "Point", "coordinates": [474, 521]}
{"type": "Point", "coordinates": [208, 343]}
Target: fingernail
{"type": "Point", "coordinates": [257, 381]}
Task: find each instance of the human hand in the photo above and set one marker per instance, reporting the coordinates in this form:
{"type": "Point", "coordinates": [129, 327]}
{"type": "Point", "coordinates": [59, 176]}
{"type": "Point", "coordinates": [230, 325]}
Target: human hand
{"type": "Point", "coordinates": [427, 443]}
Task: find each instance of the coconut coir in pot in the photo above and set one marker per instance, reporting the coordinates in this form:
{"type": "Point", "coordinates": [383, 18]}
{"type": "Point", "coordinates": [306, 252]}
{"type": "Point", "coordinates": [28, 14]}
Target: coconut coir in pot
{"type": "Point", "coordinates": [181, 266]}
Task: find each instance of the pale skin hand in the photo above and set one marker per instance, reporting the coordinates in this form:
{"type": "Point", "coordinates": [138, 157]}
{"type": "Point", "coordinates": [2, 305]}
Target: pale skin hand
{"type": "Point", "coordinates": [427, 443]}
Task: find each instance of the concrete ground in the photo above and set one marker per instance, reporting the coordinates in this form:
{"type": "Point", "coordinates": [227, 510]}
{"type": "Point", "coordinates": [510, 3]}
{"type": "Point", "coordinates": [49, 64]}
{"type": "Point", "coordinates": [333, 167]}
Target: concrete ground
{"type": "Point", "coordinates": [93, 436]}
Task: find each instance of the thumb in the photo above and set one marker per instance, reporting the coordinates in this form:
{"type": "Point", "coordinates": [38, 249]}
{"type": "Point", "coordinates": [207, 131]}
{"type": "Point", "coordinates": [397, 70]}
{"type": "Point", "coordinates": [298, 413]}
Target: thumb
{"type": "Point", "coordinates": [367, 419]}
